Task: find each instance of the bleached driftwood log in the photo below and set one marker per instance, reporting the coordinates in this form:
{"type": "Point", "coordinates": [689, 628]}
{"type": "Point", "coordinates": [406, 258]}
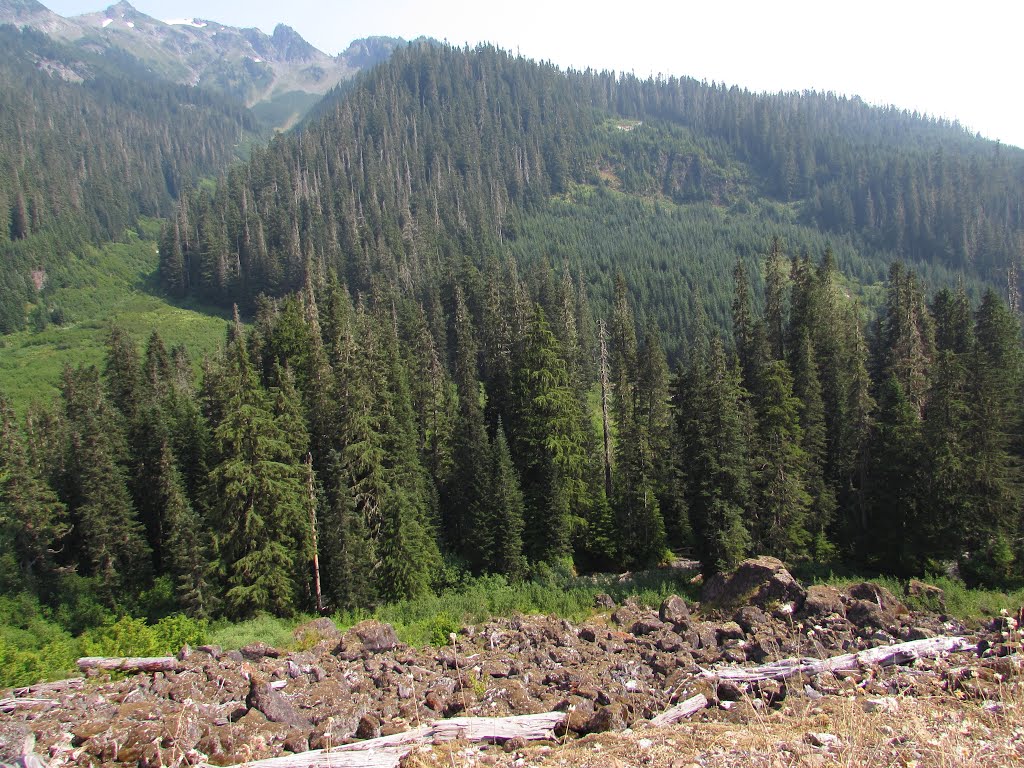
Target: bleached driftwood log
{"type": "Point", "coordinates": [497, 729]}
{"type": "Point", "coordinates": [130, 663]}
{"type": "Point", "coordinates": [883, 656]}
{"type": "Point", "coordinates": [9, 705]}
{"type": "Point", "coordinates": [57, 686]}
{"type": "Point", "coordinates": [681, 711]}
{"type": "Point", "coordinates": [386, 751]}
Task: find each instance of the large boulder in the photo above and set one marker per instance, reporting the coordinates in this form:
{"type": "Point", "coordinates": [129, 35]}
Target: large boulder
{"type": "Point", "coordinates": [674, 611]}
{"type": "Point", "coordinates": [872, 605]}
{"type": "Point", "coordinates": [928, 596]}
{"type": "Point", "coordinates": [274, 706]}
{"type": "Point", "coordinates": [760, 581]}
{"type": "Point", "coordinates": [375, 636]}
{"type": "Point", "coordinates": [317, 631]}
{"type": "Point", "coordinates": [823, 601]}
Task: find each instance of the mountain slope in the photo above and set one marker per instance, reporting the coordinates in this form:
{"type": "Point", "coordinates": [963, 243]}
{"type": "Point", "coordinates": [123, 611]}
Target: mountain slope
{"type": "Point", "coordinates": [444, 155]}
{"type": "Point", "coordinates": [88, 143]}
{"type": "Point", "coordinates": [247, 64]}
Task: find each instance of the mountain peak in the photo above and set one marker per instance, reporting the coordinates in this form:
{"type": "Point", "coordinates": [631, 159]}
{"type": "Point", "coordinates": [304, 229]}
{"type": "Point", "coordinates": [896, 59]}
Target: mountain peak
{"type": "Point", "coordinates": [125, 10]}
{"type": "Point", "coordinates": [290, 45]}
{"type": "Point", "coordinates": [20, 6]}
{"type": "Point", "coordinates": [21, 9]}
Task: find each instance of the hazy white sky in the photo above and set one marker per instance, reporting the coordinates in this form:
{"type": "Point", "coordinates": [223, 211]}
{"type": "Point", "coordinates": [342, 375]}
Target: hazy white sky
{"type": "Point", "coordinates": [960, 60]}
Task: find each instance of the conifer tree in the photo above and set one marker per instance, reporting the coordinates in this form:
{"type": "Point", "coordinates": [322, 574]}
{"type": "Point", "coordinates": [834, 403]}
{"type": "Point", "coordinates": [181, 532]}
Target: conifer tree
{"type": "Point", "coordinates": [468, 499]}
{"type": "Point", "coordinates": [712, 420]}
{"type": "Point", "coordinates": [261, 516]}
{"type": "Point", "coordinates": [549, 444]}
{"type": "Point", "coordinates": [994, 424]}
{"type": "Point", "coordinates": [781, 498]}
{"type": "Point", "coordinates": [187, 540]}
{"type": "Point", "coordinates": [508, 511]}
{"type": "Point", "coordinates": [774, 300]}
{"type": "Point", "coordinates": [638, 415]}
{"type": "Point", "coordinates": [33, 521]}
{"type": "Point", "coordinates": [811, 410]}
{"type": "Point", "coordinates": [348, 549]}
{"type": "Point", "coordinates": [109, 537]}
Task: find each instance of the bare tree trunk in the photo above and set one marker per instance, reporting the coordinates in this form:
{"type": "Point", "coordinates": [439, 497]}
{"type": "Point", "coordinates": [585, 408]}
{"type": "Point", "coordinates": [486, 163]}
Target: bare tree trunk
{"type": "Point", "coordinates": [312, 525]}
{"type": "Point", "coordinates": [387, 751]}
{"type": "Point", "coordinates": [883, 656]}
{"type": "Point", "coordinates": [129, 663]}
{"type": "Point", "coordinates": [681, 711]}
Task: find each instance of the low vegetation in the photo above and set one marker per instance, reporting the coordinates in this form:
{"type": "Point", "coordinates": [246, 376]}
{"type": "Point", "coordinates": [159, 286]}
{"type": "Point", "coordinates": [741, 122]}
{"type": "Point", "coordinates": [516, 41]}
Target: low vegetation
{"type": "Point", "coordinates": [99, 287]}
{"type": "Point", "coordinates": [37, 644]}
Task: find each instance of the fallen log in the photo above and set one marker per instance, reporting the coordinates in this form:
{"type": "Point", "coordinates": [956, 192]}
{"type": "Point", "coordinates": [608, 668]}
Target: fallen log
{"type": "Point", "coordinates": [497, 729]}
{"type": "Point", "coordinates": [386, 751]}
{"type": "Point", "coordinates": [9, 705]}
{"type": "Point", "coordinates": [130, 663]}
{"type": "Point", "coordinates": [680, 711]}
{"type": "Point", "coordinates": [882, 656]}
{"type": "Point", "coordinates": [58, 686]}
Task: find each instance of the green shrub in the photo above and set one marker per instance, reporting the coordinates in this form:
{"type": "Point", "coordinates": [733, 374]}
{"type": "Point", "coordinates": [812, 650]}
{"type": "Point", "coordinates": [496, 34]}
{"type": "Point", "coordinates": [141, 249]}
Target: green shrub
{"type": "Point", "coordinates": [125, 637]}
{"type": "Point", "coordinates": [264, 628]}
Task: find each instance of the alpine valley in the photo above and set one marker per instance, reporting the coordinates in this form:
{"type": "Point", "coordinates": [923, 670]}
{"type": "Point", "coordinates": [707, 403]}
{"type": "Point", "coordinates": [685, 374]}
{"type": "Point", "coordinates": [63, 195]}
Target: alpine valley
{"type": "Point", "coordinates": [288, 333]}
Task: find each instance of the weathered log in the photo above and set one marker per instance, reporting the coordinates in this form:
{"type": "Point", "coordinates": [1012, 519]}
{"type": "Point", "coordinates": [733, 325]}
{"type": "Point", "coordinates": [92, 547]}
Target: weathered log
{"type": "Point", "coordinates": [322, 758]}
{"type": "Point", "coordinates": [9, 705]}
{"type": "Point", "coordinates": [58, 686]}
{"type": "Point", "coordinates": [497, 729]}
{"type": "Point", "coordinates": [681, 711]}
{"type": "Point", "coordinates": [882, 656]}
{"type": "Point", "coordinates": [386, 751]}
{"type": "Point", "coordinates": [130, 663]}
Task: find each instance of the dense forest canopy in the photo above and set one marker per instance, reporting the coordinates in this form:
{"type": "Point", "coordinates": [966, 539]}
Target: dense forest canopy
{"type": "Point", "coordinates": [87, 144]}
{"type": "Point", "coordinates": [408, 443]}
{"type": "Point", "coordinates": [445, 154]}
{"type": "Point", "coordinates": [512, 320]}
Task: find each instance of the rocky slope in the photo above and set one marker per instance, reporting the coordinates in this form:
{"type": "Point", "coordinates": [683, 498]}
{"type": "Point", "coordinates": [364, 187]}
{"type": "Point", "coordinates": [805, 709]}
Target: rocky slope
{"type": "Point", "coordinates": [610, 675]}
{"type": "Point", "coordinates": [281, 72]}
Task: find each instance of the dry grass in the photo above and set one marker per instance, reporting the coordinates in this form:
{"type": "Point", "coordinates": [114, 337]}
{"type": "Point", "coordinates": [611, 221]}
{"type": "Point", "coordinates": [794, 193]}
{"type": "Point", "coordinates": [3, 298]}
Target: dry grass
{"type": "Point", "coordinates": [938, 732]}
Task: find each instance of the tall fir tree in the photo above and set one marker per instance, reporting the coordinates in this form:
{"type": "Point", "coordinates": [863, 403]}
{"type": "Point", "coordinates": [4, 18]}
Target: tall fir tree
{"type": "Point", "coordinates": [260, 510]}
{"type": "Point", "coordinates": [33, 521]}
{"type": "Point", "coordinates": [712, 418]}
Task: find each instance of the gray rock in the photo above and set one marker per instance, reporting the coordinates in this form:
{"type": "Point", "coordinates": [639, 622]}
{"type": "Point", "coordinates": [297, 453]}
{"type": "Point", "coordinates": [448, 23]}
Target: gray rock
{"type": "Point", "coordinates": [822, 601]}
{"type": "Point", "coordinates": [274, 705]}
{"type": "Point", "coordinates": [760, 581]}
{"type": "Point", "coordinates": [674, 611]}
{"type": "Point", "coordinates": [376, 636]}
{"type": "Point", "coordinates": [260, 650]}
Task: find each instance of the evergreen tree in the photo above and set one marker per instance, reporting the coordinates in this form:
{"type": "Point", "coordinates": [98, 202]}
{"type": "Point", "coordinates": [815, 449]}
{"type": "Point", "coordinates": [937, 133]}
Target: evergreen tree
{"type": "Point", "coordinates": [32, 520]}
{"type": "Point", "coordinates": [109, 536]}
{"type": "Point", "coordinates": [262, 523]}
{"type": "Point", "coordinates": [811, 410]}
{"type": "Point", "coordinates": [348, 548]}
{"type": "Point", "coordinates": [509, 511]}
{"type": "Point", "coordinates": [994, 424]}
{"type": "Point", "coordinates": [549, 444]}
{"type": "Point", "coordinates": [774, 300]}
{"type": "Point", "coordinates": [468, 499]}
{"type": "Point", "coordinates": [711, 421]}
{"type": "Point", "coordinates": [781, 499]}
{"type": "Point", "coordinates": [640, 527]}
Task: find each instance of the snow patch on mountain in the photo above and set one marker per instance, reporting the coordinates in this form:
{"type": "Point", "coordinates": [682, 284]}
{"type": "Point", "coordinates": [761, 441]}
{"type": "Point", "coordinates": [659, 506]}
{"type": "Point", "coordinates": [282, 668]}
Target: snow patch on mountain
{"type": "Point", "coordinates": [186, 23]}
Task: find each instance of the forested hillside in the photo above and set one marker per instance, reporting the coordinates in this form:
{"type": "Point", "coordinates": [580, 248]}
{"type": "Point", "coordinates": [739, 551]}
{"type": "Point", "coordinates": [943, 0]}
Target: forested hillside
{"type": "Point", "coordinates": [444, 154]}
{"type": "Point", "coordinates": [509, 320]}
{"type": "Point", "coordinates": [87, 144]}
